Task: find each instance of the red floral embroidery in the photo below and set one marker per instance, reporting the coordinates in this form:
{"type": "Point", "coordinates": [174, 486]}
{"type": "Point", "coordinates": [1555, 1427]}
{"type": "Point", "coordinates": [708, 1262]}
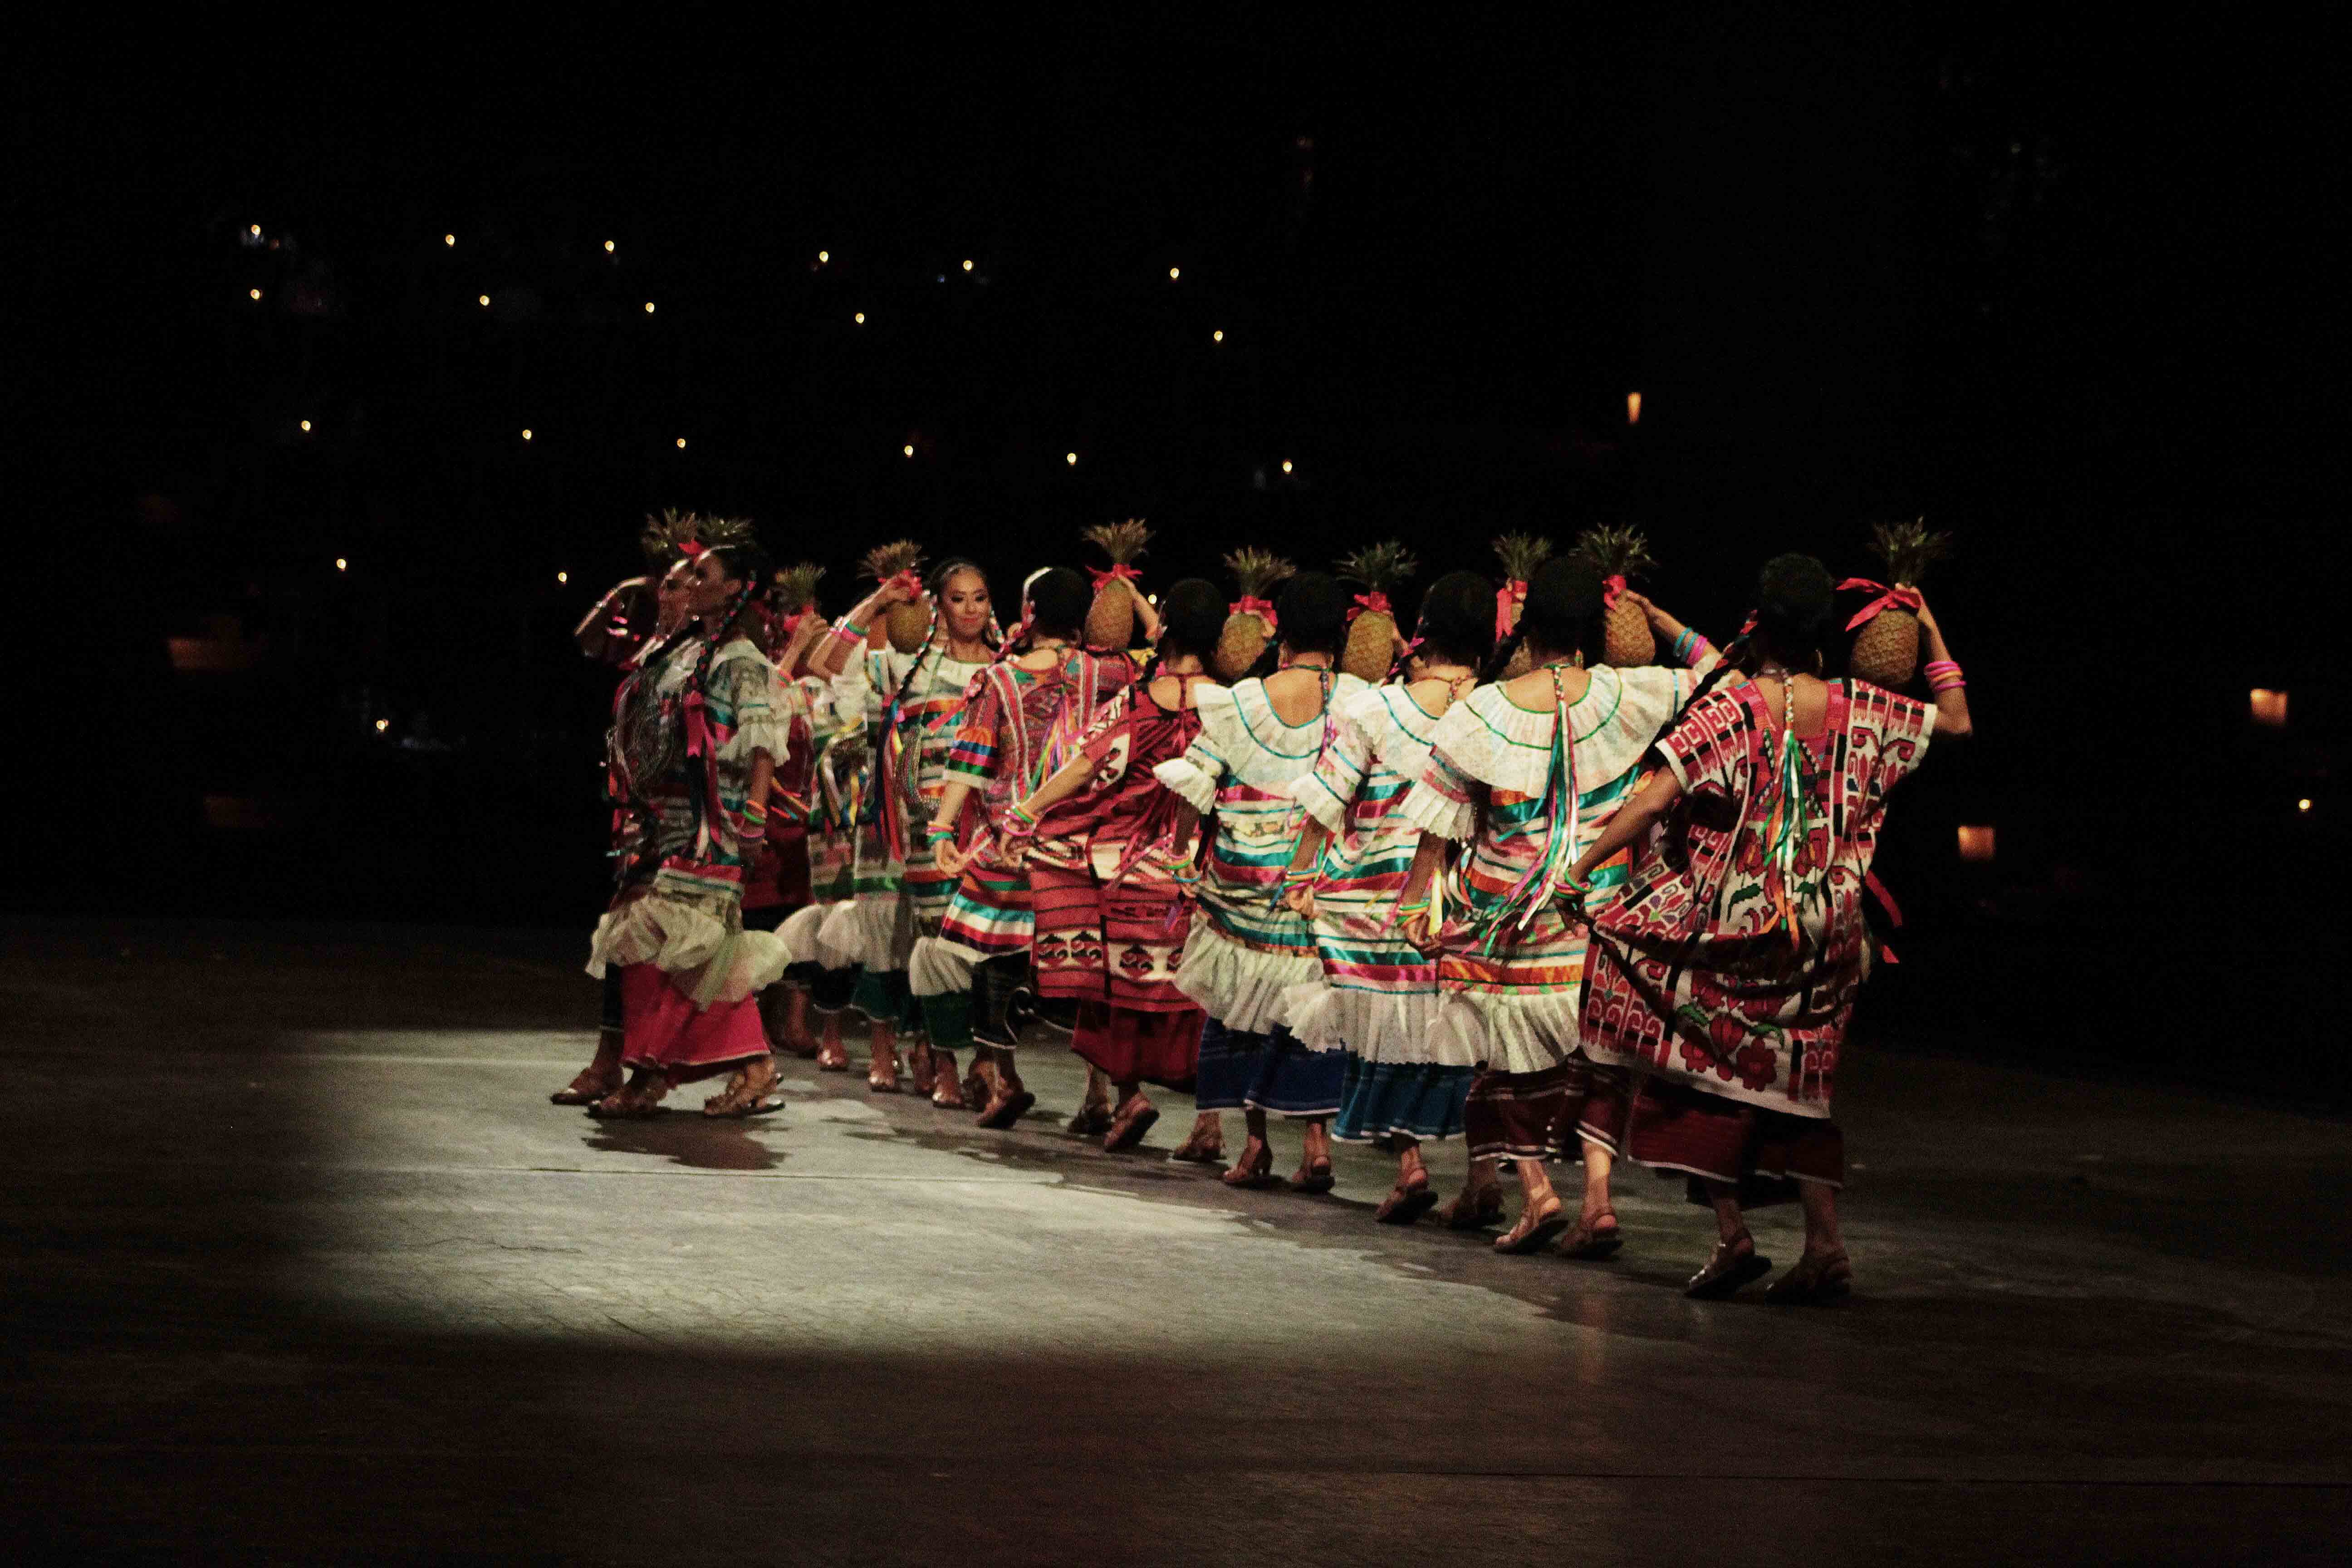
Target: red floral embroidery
{"type": "Point", "coordinates": [1757, 1064]}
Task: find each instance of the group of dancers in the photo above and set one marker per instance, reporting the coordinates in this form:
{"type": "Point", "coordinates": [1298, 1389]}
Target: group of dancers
{"type": "Point", "coordinates": [1511, 892]}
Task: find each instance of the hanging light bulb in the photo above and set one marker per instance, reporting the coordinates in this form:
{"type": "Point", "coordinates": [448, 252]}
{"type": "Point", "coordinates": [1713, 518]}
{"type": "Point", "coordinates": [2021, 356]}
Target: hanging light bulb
{"type": "Point", "coordinates": [342, 565]}
{"type": "Point", "coordinates": [681, 443]}
{"type": "Point", "coordinates": [306, 426]}
{"type": "Point", "coordinates": [253, 293]}
{"type": "Point", "coordinates": [1071, 458]}
{"type": "Point", "coordinates": [254, 230]}
{"type": "Point", "coordinates": [908, 448]}
{"type": "Point", "coordinates": [966, 264]}
{"type": "Point", "coordinates": [483, 301]}
{"type": "Point", "coordinates": [564, 576]}
{"type": "Point", "coordinates": [649, 307]}
{"type": "Point", "coordinates": [859, 317]}
{"type": "Point", "coordinates": [822, 256]}
{"type": "Point", "coordinates": [1633, 408]}
{"type": "Point", "coordinates": [1174, 273]}
{"type": "Point", "coordinates": [1218, 336]}
{"type": "Point", "coordinates": [382, 725]}
{"type": "Point", "coordinates": [526, 433]}
{"type": "Point", "coordinates": [446, 240]}
{"type": "Point", "coordinates": [608, 247]}
{"type": "Point", "coordinates": [1286, 464]}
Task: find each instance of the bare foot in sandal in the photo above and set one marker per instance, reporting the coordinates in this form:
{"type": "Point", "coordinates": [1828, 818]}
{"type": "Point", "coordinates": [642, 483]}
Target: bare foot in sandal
{"type": "Point", "coordinates": [750, 1092]}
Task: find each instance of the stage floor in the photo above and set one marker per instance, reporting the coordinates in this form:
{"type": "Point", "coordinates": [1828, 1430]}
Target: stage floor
{"type": "Point", "coordinates": [302, 1266]}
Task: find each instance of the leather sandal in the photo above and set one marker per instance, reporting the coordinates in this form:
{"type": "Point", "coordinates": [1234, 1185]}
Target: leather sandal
{"type": "Point", "coordinates": [1125, 1131]}
{"type": "Point", "coordinates": [1198, 1151]}
{"type": "Point", "coordinates": [1726, 1271]}
{"type": "Point", "coordinates": [1405, 1204]}
{"type": "Point", "coordinates": [1316, 1178]}
{"type": "Point", "coordinates": [1525, 1238]}
{"type": "Point", "coordinates": [1485, 1210]}
{"type": "Point", "coordinates": [1816, 1281]}
{"type": "Point", "coordinates": [1595, 1241]}
{"type": "Point", "coordinates": [1256, 1176]}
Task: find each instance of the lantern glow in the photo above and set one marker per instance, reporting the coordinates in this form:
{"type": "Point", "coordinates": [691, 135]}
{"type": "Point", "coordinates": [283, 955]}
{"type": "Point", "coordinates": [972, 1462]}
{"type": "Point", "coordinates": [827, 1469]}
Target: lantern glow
{"type": "Point", "coordinates": [1633, 408]}
{"type": "Point", "coordinates": [1976, 842]}
{"type": "Point", "coordinates": [2268, 707]}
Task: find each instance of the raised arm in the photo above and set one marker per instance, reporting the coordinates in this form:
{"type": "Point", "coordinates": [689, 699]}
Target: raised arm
{"type": "Point", "coordinates": [1944, 679]}
{"type": "Point", "coordinates": [831, 656]}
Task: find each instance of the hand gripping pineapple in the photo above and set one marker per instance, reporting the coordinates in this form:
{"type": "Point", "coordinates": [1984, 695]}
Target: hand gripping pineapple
{"type": "Point", "coordinates": [1251, 625]}
{"type": "Point", "coordinates": [1620, 554]}
{"type": "Point", "coordinates": [1111, 624]}
{"type": "Point", "coordinates": [1371, 625]}
{"type": "Point", "coordinates": [1886, 650]}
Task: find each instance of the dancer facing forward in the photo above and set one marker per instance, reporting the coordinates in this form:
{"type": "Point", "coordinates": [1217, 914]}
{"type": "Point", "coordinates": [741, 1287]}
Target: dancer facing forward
{"type": "Point", "coordinates": [696, 740]}
{"type": "Point", "coordinates": [915, 703]}
{"type": "Point", "coordinates": [1109, 855]}
{"type": "Point", "coordinates": [1247, 950]}
{"type": "Point", "coordinates": [1724, 972]}
{"type": "Point", "coordinates": [1522, 773]}
{"type": "Point", "coordinates": [1378, 996]}
{"type": "Point", "coordinates": [1030, 714]}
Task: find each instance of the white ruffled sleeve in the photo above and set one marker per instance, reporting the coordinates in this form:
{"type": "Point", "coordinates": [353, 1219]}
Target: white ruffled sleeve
{"type": "Point", "coordinates": [1330, 789]}
{"type": "Point", "coordinates": [743, 685]}
{"type": "Point", "coordinates": [1440, 800]}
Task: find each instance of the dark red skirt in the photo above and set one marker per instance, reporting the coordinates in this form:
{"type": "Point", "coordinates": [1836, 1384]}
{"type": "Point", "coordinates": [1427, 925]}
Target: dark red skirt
{"type": "Point", "coordinates": [1543, 1115]}
{"type": "Point", "coordinates": [1126, 1047]}
{"type": "Point", "coordinates": [1765, 1153]}
{"type": "Point", "coordinates": [663, 1029]}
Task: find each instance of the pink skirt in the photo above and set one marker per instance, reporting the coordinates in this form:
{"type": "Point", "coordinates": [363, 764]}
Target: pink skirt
{"type": "Point", "coordinates": [665, 1031]}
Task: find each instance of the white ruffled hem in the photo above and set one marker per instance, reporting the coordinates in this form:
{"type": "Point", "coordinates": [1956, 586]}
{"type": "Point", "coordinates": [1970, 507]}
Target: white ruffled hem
{"type": "Point", "coordinates": [864, 930]}
{"type": "Point", "coordinates": [1520, 1033]}
{"type": "Point", "coordinates": [710, 963]}
{"type": "Point", "coordinates": [1378, 1025]}
{"type": "Point", "coordinates": [1426, 808]}
{"type": "Point", "coordinates": [1193, 788]}
{"type": "Point", "coordinates": [772, 736]}
{"type": "Point", "coordinates": [939, 967]}
{"type": "Point", "coordinates": [1241, 987]}
{"type": "Point", "coordinates": [804, 932]}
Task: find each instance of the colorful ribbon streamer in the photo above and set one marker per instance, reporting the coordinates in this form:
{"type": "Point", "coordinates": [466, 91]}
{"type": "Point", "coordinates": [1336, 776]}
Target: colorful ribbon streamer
{"type": "Point", "coordinates": [1506, 597]}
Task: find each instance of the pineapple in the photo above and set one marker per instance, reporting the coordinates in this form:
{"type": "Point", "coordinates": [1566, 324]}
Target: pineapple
{"type": "Point", "coordinates": [664, 533]}
{"type": "Point", "coordinates": [1886, 650]}
{"type": "Point", "coordinates": [907, 625]}
{"type": "Point", "coordinates": [1372, 640]}
{"type": "Point", "coordinates": [1520, 554]}
{"type": "Point", "coordinates": [796, 587]}
{"type": "Point", "coordinates": [1247, 631]}
{"type": "Point", "coordinates": [1112, 622]}
{"type": "Point", "coordinates": [1621, 552]}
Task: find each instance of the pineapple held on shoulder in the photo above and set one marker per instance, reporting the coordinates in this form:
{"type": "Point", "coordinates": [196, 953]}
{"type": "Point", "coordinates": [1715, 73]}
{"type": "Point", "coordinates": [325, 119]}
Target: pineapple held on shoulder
{"type": "Point", "coordinates": [1252, 623]}
{"type": "Point", "coordinates": [906, 624]}
{"type": "Point", "coordinates": [1372, 628]}
{"type": "Point", "coordinates": [1111, 623]}
{"type": "Point", "coordinates": [1520, 554]}
{"type": "Point", "coordinates": [1620, 553]}
{"type": "Point", "coordinates": [1887, 646]}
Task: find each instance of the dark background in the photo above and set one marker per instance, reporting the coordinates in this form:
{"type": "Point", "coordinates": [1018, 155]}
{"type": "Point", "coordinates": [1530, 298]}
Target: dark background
{"type": "Point", "coordinates": [2067, 288]}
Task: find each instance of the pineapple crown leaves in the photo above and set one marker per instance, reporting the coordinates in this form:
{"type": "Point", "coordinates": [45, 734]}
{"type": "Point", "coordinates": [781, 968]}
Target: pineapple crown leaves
{"type": "Point", "coordinates": [1616, 549]}
{"type": "Point", "coordinates": [1258, 570]}
{"type": "Point", "coordinates": [1379, 567]}
{"type": "Point", "coordinates": [1908, 547]}
{"type": "Point", "coordinates": [884, 562]}
{"type": "Point", "coordinates": [1521, 553]}
{"type": "Point", "coordinates": [1122, 541]}
{"type": "Point", "coordinates": [665, 531]}
{"type": "Point", "coordinates": [796, 586]}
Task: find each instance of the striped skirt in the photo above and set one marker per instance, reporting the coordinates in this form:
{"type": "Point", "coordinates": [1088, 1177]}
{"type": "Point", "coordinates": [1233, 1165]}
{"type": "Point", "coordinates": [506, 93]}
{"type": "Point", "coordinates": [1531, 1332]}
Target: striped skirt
{"type": "Point", "coordinates": [1544, 1115]}
{"type": "Point", "coordinates": [990, 912]}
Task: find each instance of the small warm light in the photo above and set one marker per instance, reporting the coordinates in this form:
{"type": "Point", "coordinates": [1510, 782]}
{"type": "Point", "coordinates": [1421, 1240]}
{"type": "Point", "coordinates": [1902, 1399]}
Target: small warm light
{"type": "Point", "coordinates": [2303, 805]}
{"type": "Point", "coordinates": [446, 240]}
{"type": "Point", "coordinates": [966, 264]}
{"type": "Point", "coordinates": [482, 300]}
{"type": "Point", "coordinates": [342, 565]}
{"type": "Point", "coordinates": [306, 426]}
{"type": "Point", "coordinates": [1071, 458]}
{"type": "Point", "coordinates": [1633, 408]}
{"type": "Point", "coordinates": [822, 256]}
{"type": "Point", "coordinates": [1218, 336]}
{"type": "Point", "coordinates": [253, 293]}
{"type": "Point", "coordinates": [859, 317]}
{"type": "Point", "coordinates": [1976, 843]}
{"type": "Point", "coordinates": [1286, 464]}
{"type": "Point", "coordinates": [2269, 708]}
{"type": "Point", "coordinates": [1174, 273]}
{"type": "Point", "coordinates": [564, 576]}
{"type": "Point", "coordinates": [526, 434]}
{"type": "Point", "coordinates": [608, 247]}
{"type": "Point", "coordinates": [649, 307]}
{"type": "Point", "coordinates": [908, 448]}
{"type": "Point", "coordinates": [681, 443]}
{"type": "Point", "coordinates": [382, 725]}
{"type": "Point", "coordinates": [253, 228]}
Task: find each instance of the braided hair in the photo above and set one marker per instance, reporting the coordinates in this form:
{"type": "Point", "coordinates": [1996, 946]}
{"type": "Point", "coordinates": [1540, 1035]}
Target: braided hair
{"type": "Point", "coordinates": [1565, 612]}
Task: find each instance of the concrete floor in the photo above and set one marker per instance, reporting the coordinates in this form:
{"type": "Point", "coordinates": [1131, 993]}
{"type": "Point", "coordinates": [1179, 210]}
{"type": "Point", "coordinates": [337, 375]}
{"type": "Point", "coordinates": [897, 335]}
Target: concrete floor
{"type": "Point", "coordinates": [300, 1267]}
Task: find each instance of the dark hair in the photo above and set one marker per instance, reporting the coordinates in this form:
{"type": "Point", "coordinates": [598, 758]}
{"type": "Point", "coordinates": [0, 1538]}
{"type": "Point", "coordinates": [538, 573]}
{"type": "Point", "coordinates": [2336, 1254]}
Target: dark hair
{"type": "Point", "coordinates": [1795, 597]}
{"type": "Point", "coordinates": [1563, 614]}
{"type": "Point", "coordinates": [1191, 617]}
{"type": "Point", "coordinates": [1313, 613]}
{"type": "Point", "coordinates": [1457, 617]}
{"type": "Point", "coordinates": [1061, 599]}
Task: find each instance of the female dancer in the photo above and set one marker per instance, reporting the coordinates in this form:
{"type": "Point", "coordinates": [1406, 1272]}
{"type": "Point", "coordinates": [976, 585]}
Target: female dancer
{"type": "Point", "coordinates": [1522, 772]}
{"type": "Point", "coordinates": [779, 884]}
{"type": "Point", "coordinates": [1031, 712]}
{"type": "Point", "coordinates": [916, 702]}
{"type": "Point", "coordinates": [1725, 972]}
{"type": "Point", "coordinates": [1247, 950]}
{"type": "Point", "coordinates": [695, 747]}
{"type": "Point", "coordinates": [1378, 996]}
{"type": "Point", "coordinates": [1109, 855]}
{"type": "Point", "coordinates": [614, 633]}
